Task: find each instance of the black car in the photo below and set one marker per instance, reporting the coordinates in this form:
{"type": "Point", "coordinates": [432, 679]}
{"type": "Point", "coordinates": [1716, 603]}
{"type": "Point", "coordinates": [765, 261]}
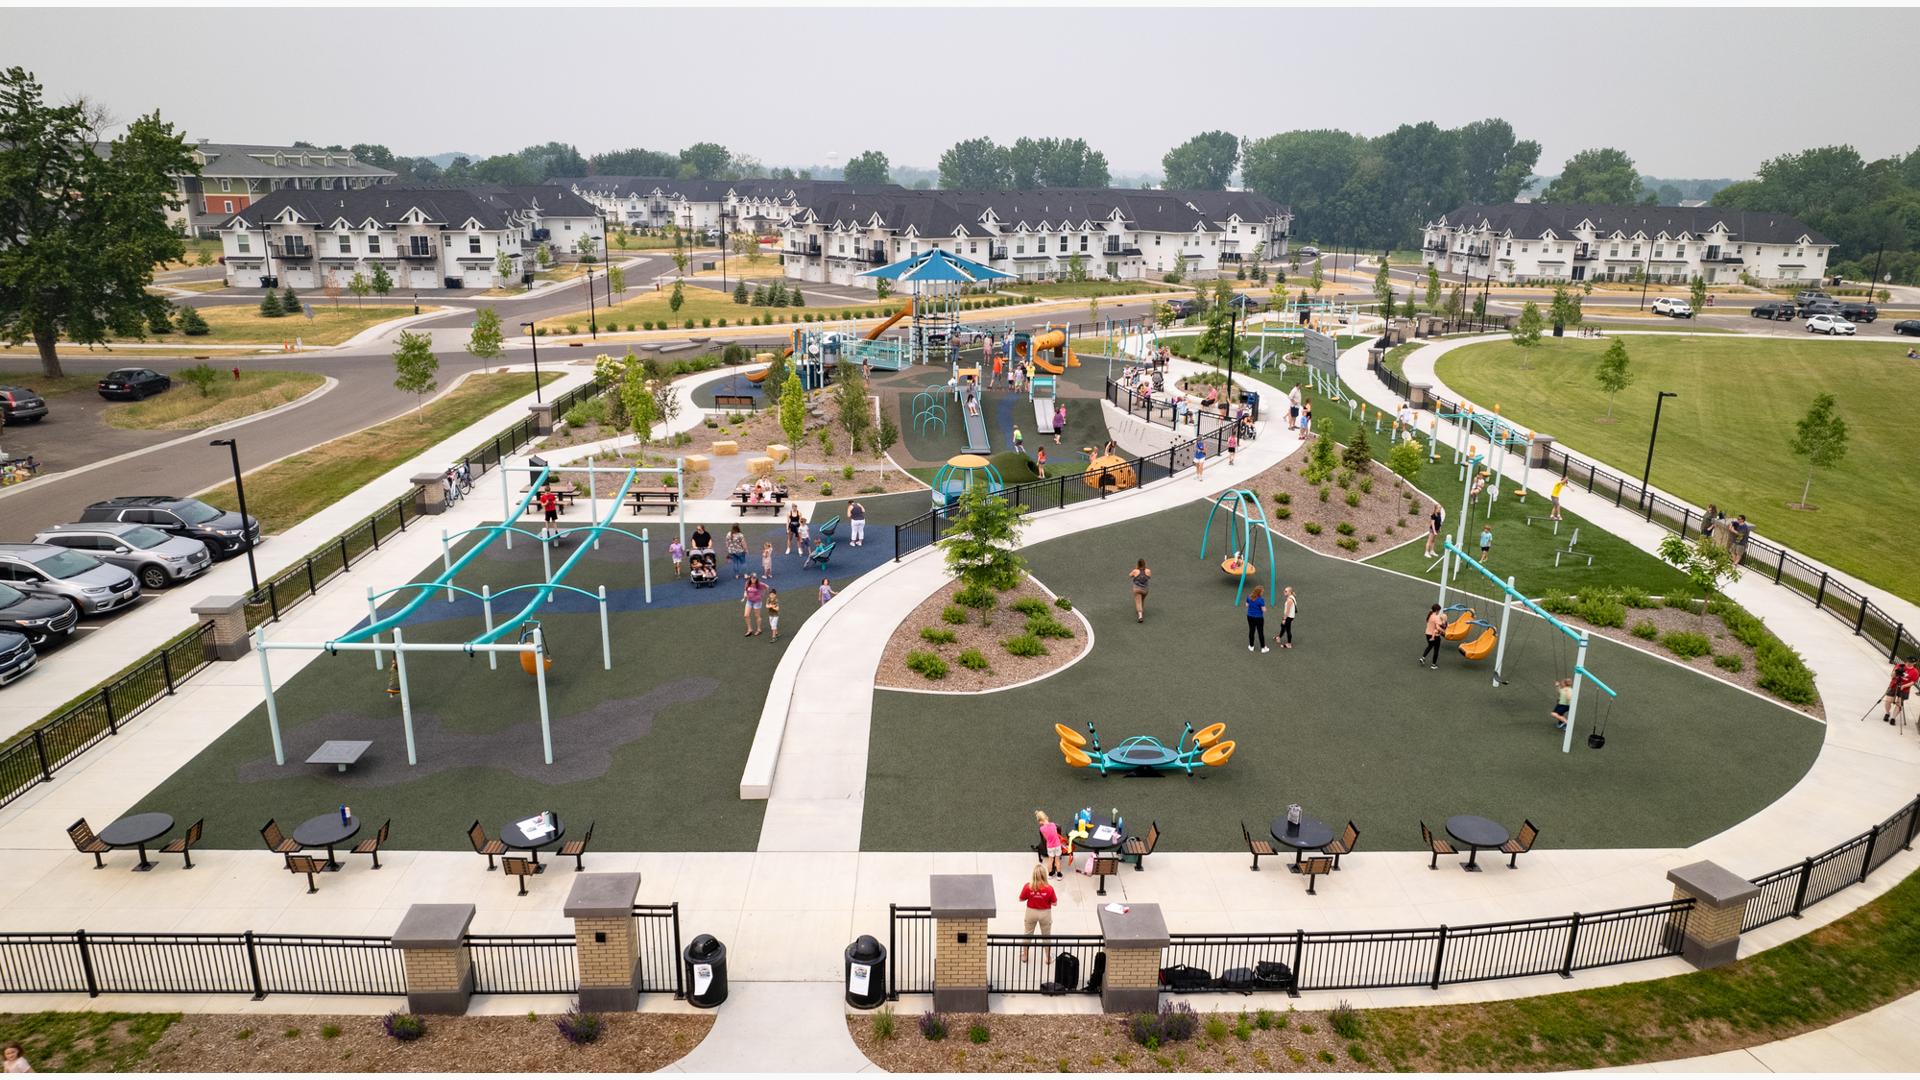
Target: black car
{"type": "Point", "coordinates": [16, 656]}
{"type": "Point", "coordinates": [41, 618]}
{"type": "Point", "coordinates": [133, 383]}
{"type": "Point", "coordinates": [1776, 310]}
{"type": "Point", "coordinates": [1859, 311]}
{"type": "Point", "coordinates": [220, 530]}
{"type": "Point", "coordinates": [1907, 326]}
{"type": "Point", "coordinates": [20, 405]}
{"type": "Point", "coordinates": [1819, 307]}
{"type": "Point", "coordinates": [1181, 308]}
{"type": "Point", "coordinates": [1246, 303]}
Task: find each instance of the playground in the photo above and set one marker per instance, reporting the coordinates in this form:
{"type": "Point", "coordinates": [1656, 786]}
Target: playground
{"type": "Point", "coordinates": [1343, 724]}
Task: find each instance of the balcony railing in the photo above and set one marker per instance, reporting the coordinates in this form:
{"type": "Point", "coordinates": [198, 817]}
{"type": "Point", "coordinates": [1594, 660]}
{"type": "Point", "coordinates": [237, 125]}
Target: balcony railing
{"type": "Point", "coordinates": [996, 253]}
{"type": "Point", "coordinates": [875, 256]}
{"type": "Point", "coordinates": [291, 250]}
{"type": "Point", "coordinates": [1119, 250]}
{"type": "Point", "coordinates": [419, 254]}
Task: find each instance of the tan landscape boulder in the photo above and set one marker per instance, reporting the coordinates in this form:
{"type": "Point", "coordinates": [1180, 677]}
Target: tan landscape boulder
{"type": "Point", "coordinates": [726, 448]}
{"type": "Point", "coordinates": [778, 451]}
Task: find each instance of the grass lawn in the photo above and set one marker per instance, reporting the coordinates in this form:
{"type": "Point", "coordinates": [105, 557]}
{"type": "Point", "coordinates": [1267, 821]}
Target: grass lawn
{"type": "Point", "coordinates": [636, 242]}
{"type": "Point", "coordinates": [565, 271]}
{"type": "Point", "coordinates": [288, 492]}
{"type": "Point", "coordinates": [737, 267]}
{"type": "Point", "coordinates": [696, 303]}
{"type": "Point", "coordinates": [1389, 745]}
{"type": "Point", "coordinates": [1071, 290]}
{"type": "Point", "coordinates": [184, 409]}
{"type": "Point", "coordinates": [242, 324]}
{"type": "Point", "coordinates": [1740, 399]}
{"type": "Point", "coordinates": [81, 1041]}
{"type": "Point", "coordinates": [1397, 356]}
{"type": "Point", "coordinates": [48, 387]}
{"type": "Point", "coordinates": [192, 257]}
{"type": "Point", "coordinates": [214, 285]}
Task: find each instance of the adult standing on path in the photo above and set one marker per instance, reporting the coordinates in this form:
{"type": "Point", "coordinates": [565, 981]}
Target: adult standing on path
{"type": "Point", "coordinates": [1140, 577]}
{"type": "Point", "coordinates": [856, 523]}
{"type": "Point", "coordinates": [1288, 607]}
{"type": "Point", "coordinates": [1740, 532]}
{"type": "Point", "coordinates": [751, 598]}
{"type": "Point", "coordinates": [737, 552]}
{"type": "Point", "coordinates": [1038, 896]}
{"type": "Point", "coordinates": [1257, 618]}
{"type": "Point", "coordinates": [1436, 632]}
{"type": "Point", "coordinates": [793, 527]}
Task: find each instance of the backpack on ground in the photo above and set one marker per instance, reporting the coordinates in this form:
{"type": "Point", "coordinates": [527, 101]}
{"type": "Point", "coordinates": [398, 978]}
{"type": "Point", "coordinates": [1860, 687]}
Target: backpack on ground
{"type": "Point", "coordinates": [1066, 971]}
{"type": "Point", "coordinates": [1240, 980]}
{"type": "Point", "coordinates": [1098, 973]}
{"type": "Point", "coordinates": [1273, 975]}
{"type": "Point", "coordinates": [1182, 977]}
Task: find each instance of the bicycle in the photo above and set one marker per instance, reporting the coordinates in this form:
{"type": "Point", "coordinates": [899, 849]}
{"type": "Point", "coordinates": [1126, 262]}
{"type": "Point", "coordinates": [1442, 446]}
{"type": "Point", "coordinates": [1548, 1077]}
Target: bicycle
{"type": "Point", "coordinates": [459, 483]}
{"type": "Point", "coordinates": [18, 470]}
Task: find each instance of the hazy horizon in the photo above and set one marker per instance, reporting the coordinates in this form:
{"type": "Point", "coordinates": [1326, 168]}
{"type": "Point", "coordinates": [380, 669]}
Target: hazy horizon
{"type": "Point", "coordinates": [815, 96]}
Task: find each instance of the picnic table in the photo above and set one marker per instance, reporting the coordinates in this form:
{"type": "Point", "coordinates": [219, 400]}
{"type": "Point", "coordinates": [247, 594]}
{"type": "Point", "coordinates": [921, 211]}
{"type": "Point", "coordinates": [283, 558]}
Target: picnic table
{"type": "Point", "coordinates": [339, 753]}
{"type": "Point", "coordinates": [667, 499]}
{"type": "Point", "coordinates": [771, 501]}
{"type": "Point", "coordinates": [566, 491]}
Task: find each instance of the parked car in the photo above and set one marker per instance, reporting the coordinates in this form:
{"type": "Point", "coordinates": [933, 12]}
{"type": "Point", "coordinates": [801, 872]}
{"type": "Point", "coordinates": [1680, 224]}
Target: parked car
{"type": "Point", "coordinates": [1247, 303]}
{"type": "Point", "coordinates": [1859, 311]}
{"type": "Point", "coordinates": [1907, 326]}
{"type": "Point", "coordinates": [1776, 310]}
{"type": "Point", "coordinates": [1309, 252]}
{"type": "Point", "coordinates": [16, 656]}
{"type": "Point", "coordinates": [221, 530]}
{"type": "Point", "coordinates": [49, 570]}
{"type": "Point", "coordinates": [133, 383]}
{"type": "Point", "coordinates": [1678, 309]}
{"type": "Point", "coordinates": [158, 559]}
{"type": "Point", "coordinates": [1829, 325]}
{"type": "Point", "coordinates": [1819, 307]}
{"type": "Point", "coordinates": [1181, 308]}
{"type": "Point", "coordinates": [40, 618]}
{"type": "Point", "coordinates": [19, 405]}
{"type": "Point", "coordinates": [1808, 296]}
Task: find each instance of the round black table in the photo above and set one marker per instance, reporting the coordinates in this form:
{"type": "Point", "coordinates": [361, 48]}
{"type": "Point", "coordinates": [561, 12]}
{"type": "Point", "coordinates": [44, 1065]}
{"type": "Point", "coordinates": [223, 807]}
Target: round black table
{"type": "Point", "coordinates": [511, 836]}
{"type": "Point", "coordinates": [1311, 834]}
{"type": "Point", "coordinates": [1088, 843]}
{"type": "Point", "coordinates": [137, 831]}
{"type": "Point", "coordinates": [326, 831]}
{"type": "Point", "coordinates": [1476, 833]}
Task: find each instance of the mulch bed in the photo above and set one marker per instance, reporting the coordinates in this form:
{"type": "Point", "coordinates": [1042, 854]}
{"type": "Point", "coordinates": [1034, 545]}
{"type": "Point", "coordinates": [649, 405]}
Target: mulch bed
{"type": "Point", "coordinates": [1087, 1043]}
{"type": "Point", "coordinates": [1005, 669]}
{"type": "Point", "coordinates": [1668, 619]}
{"type": "Point", "coordinates": [220, 1042]}
{"type": "Point", "coordinates": [756, 430]}
{"type": "Point", "coordinates": [1385, 514]}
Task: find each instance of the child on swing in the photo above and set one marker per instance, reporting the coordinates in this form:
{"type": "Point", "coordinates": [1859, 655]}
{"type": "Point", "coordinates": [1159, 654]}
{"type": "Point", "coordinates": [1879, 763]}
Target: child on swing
{"type": "Point", "coordinates": [1563, 698]}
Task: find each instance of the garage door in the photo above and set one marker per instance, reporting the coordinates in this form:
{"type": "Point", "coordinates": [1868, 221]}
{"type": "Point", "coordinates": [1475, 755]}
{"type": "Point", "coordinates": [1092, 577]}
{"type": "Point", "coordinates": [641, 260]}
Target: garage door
{"type": "Point", "coordinates": [477, 278]}
{"type": "Point", "coordinates": [423, 279]}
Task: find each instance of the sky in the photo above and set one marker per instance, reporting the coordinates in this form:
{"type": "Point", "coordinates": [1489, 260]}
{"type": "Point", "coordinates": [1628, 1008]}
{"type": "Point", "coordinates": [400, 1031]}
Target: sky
{"type": "Point", "coordinates": [1686, 93]}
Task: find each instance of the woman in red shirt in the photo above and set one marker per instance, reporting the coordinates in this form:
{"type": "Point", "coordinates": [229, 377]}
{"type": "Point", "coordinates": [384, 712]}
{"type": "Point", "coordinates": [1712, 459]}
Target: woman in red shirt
{"type": "Point", "coordinates": [1039, 898]}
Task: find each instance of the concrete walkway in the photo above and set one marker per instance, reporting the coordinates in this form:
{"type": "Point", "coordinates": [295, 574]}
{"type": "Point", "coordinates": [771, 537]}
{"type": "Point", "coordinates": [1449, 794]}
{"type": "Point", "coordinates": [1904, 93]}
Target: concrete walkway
{"type": "Point", "coordinates": [1886, 1040]}
{"type": "Point", "coordinates": [779, 1027]}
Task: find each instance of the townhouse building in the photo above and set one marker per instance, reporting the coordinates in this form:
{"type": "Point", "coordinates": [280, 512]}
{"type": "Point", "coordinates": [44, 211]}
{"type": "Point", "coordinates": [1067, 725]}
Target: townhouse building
{"type": "Point", "coordinates": [234, 175]}
{"type": "Point", "coordinates": [753, 206]}
{"type": "Point", "coordinates": [1118, 233]}
{"type": "Point", "coordinates": [1524, 242]}
{"type": "Point", "coordinates": [426, 238]}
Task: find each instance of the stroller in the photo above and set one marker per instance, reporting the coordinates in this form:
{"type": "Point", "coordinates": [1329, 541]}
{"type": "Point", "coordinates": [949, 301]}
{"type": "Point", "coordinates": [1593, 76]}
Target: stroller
{"type": "Point", "coordinates": [701, 569]}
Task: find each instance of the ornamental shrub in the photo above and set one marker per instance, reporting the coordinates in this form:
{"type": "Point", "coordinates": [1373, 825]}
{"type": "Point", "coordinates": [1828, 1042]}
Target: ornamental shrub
{"type": "Point", "coordinates": [1025, 645]}
{"type": "Point", "coordinates": [1686, 643]}
{"type": "Point", "coordinates": [938, 635]}
{"type": "Point", "coordinates": [927, 664]}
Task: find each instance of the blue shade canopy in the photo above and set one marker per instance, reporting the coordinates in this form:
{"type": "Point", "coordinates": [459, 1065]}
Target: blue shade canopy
{"type": "Point", "coordinates": [938, 265]}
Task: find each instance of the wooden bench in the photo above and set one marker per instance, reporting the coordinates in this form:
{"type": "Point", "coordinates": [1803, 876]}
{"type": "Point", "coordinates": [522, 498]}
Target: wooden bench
{"type": "Point", "coordinates": [667, 499]}
{"type": "Point", "coordinates": [735, 401]}
{"type": "Point", "coordinates": [566, 493]}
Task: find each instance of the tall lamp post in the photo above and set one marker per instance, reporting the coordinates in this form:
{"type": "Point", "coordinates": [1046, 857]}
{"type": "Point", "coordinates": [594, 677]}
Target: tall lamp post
{"type": "Point", "coordinates": [535, 339]}
{"type": "Point", "coordinates": [240, 489]}
{"type": "Point", "coordinates": [1647, 473]}
{"type": "Point", "coordinates": [606, 253]}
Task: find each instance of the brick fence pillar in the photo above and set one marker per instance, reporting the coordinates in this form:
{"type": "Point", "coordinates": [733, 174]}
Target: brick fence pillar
{"type": "Point", "coordinates": [962, 904]}
{"type": "Point", "coordinates": [542, 418]}
{"type": "Point", "coordinates": [1538, 450]}
{"type": "Point", "coordinates": [228, 614]}
{"type": "Point", "coordinates": [1719, 896]}
{"type": "Point", "coordinates": [608, 949]}
{"type": "Point", "coordinates": [1420, 396]}
{"type": "Point", "coordinates": [432, 939]}
{"type": "Point", "coordinates": [431, 496]}
{"type": "Point", "coordinates": [1134, 941]}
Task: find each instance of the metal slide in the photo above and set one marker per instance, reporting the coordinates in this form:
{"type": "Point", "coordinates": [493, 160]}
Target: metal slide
{"type": "Point", "coordinates": [976, 429]}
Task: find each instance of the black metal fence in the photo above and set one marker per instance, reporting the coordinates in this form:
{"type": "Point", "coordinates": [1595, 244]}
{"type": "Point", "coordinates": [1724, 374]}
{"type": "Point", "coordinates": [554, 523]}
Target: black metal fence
{"type": "Point", "coordinates": [910, 948]}
{"type": "Point", "coordinates": [1394, 381]}
{"type": "Point", "coordinates": [657, 930]}
{"type": "Point", "coordinates": [524, 963]}
{"type": "Point", "coordinates": [1790, 890]}
{"type": "Point", "coordinates": [81, 962]}
{"type": "Point", "coordinates": [36, 756]}
{"type": "Point", "coordinates": [1018, 964]}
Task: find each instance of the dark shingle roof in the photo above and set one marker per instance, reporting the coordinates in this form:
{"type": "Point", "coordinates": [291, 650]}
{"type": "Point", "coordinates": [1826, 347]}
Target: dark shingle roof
{"type": "Point", "coordinates": [493, 207]}
{"type": "Point", "coordinates": [939, 212]}
{"type": "Point", "coordinates": [1533, 219]}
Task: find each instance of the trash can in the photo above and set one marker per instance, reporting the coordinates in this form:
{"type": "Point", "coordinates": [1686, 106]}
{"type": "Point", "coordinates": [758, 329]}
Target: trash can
{"type": "Point", "coordinates": [866, 972]}
{"type": "Point", "coordinates": [706, 971]}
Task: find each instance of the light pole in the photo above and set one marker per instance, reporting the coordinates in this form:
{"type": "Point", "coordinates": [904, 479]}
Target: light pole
{"type": "Point", "coordinates": [606, 252]}
{"type": "Point", "coordinates": [1646, 278]}
{"type": "Point", "coordinates": [1646, 473]}
{"type": "Point", "coordinates": [266, 245]}
{"type": "Point", "coordinates": [240, 489]}
{"type": "Point", "coordinates": [593, 315]}
{"type": "Point", "coordinates": [535, 339]}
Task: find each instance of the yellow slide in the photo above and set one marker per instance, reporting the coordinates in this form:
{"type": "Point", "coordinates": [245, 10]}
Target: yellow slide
{"type": "Point", "coordinates": [905, 310]}
{"type": "Point", "coordinates": [1053, 341]}
{"type": "Point", "coordinates": [1480, 647]}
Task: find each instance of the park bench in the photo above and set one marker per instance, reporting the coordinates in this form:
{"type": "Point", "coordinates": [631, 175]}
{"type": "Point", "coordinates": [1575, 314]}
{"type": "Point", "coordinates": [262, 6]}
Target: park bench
{"type": "Point", "coordinates": [667, 499]}
{"type": "Point", "coordinates": [566, 492]}
{"type": "Point", "coordinates": [773, 502]}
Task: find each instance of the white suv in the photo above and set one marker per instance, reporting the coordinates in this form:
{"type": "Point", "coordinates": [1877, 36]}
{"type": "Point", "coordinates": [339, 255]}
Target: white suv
{"type": "Point", "coordinates": [1678, 309]}
{"type": "Point", "coordinates": [1829, 324]}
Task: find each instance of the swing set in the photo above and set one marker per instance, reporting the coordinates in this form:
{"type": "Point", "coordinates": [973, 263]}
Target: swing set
{"type": "Point", "coordinates": [1495, 639]}
{"type": "Point", "coordinates": [1246, 509]}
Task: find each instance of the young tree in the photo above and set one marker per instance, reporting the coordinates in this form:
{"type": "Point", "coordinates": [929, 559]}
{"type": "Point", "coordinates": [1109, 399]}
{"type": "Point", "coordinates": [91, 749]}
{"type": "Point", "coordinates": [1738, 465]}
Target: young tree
{"type": "Point", "coordinates": [1076, 268]}
{"type": "Point", "coordinates": [415, 368]}
{"type": "Point", "coordinates": [193, 324]}
{"type": "Point", "coordinates": [777, 296]}
{"type": "Point", "coordinates": [543, 255]}
{"type": "Point", "coordinates": [982, 545]}
{"type": "Point", "coordinates": [1383, 287]}
{"type": "Point", "coordinates": [204, 258]}
{"type": "Point", "coordinates": [1406, 459]}
{"type": "Point", "coordinates": [1706, 565]}
{"type": "Point", "coordinates": [1526, 331]}
{"type": "Point", "coordinates": [666, 404]}
{"type": "Point", "coordinates": [850, 398]}
{"type": "Point", "coordinates": [1318, 279]}
{"type": "Point", "coordinates": [202, 376]}
{"type": "Point", "coordinates": [681, 256]}
{"type": "Point", "coordinates": [740, 291]}
{"type": "Point", "coordinates": [1697, 292]}
{"type": "Point", "coordinates": [160, 320]}
{"type": "Point", "coordinates": [794, 298]}
{"type": "Point", "coordinates": [381, 281]}
{"type": "Point", "coordinates": [616, 280]}
{"type": "Point", "coordinates": [1613, 374]}
{"type": "Point", "coordinates": [82, 221]}
{"type": "Point", "coordinates": [503, 268]}
{"type": "Point", "coordinates": [679, 297]}
{"type": "Point", "coordinates": [887, 435]}
{"type": "Point", "coordinates": [270, 305]}
{"type": "Point", "coordinates": [882, 288]}
{"type": "Point", "coordinates": [585, 247]}
{"type": "Point", "coordinates": [1411, 308]}
{"type": "Point", "coordinates": [793, 415]}
{"type": "Point", "coordinates": [359, 286]}
{"type": "Point", "coordinates": [1358, 453]}
{"type": "Point", "coordinates": [1820, 438]}
{"type": "Point", "coordinates": [485, 342]}
{"type": "Point", "coordinates": [331, 290]}
{"type": "Point", "coordinates": [636, 397]}
{"type": "Point", "coordinates": [776, 372]}
{"type": "Point", "coordinates": [290, 301]}
{"type": "Point", "coordinates": [1433, 287]}
{"type": "Point", "coordinates": [1093, 311]}
{"type": "Point", "coordinates": [1566, 310]}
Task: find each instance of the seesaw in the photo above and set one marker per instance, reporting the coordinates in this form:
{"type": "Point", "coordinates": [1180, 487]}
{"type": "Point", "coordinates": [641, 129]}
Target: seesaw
{"type": "Point", "coordinates": [1144, 755]}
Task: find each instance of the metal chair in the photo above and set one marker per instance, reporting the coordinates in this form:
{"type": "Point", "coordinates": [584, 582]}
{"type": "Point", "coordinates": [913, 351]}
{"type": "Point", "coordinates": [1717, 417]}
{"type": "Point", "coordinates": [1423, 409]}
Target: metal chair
{"type": "Point", "coordinates": [1349, 839]}
{"type": "Point", "coordinates": [515, 866]}
{"type": "Point", "coordinates": [1102, 866]}
{"type": "Point", "coordinates": [1313, 866]}
{"type": "Point", "coordinates": [183, 847]}
{"type": "Point", "coordinates": [578, 849]}
{"type": "Point", "coordinates": [86, 843]}
{"type": "Point", "coordinates": [308, 865]}
{"type": "Point", "coordinates": [1138, 849]}
{"type": "Point", "coordinates": [277, 841]}
{"type": "Point", "coordinates": [1257, 846]}
{"type": "Point", "coordinates": [484, 846]}
{"type": "Point", "coordinates": [1520, 844]}
{"type": "Point", "coordinates": [1436, 845]}
{"type": "Point", "coordinates": [371, 845]}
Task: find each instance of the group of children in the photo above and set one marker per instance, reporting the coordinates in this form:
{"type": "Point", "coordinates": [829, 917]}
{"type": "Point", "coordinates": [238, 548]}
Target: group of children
{"type": "Point", "coordinates": [759, 599]}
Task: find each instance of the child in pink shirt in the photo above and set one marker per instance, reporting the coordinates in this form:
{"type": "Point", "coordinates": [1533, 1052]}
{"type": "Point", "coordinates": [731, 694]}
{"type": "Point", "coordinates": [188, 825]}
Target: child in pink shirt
{"type": "Point", "coordinates": [1050, 840]}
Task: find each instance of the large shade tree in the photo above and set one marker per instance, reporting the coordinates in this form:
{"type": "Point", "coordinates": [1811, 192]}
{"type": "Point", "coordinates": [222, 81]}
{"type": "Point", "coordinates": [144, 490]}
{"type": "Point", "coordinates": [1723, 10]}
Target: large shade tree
{"type": "Point", "coordinates": [1604, 175]}
{"type": "Point", "coordinates": [82, 223]}
{"type": "Point", "coordinates": [1204, 162]}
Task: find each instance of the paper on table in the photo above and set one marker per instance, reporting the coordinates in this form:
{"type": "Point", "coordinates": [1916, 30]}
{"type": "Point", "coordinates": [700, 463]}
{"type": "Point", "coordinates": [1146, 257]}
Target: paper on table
{"type": "Point", "coordinates": [1118, 909]}
{"type": "Point", "coordinates": [1104, 833]}
{"type": "Point", "coordinates": [535, 827]}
